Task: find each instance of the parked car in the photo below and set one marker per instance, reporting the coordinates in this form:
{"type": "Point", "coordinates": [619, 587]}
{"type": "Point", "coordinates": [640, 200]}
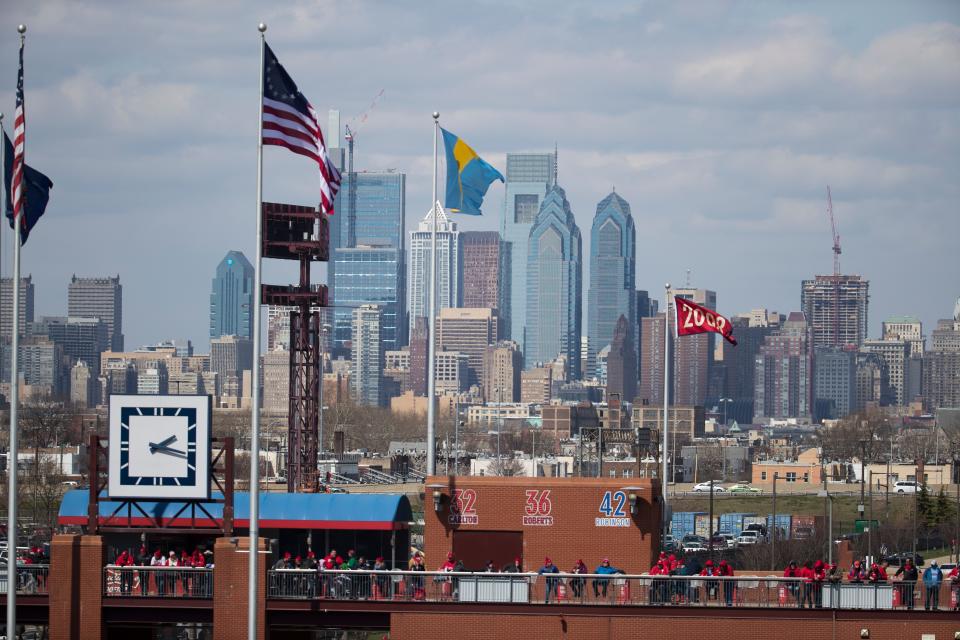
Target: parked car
{"type": "Point", "coordinates": [758, 527]}
{"type": "Point", "coordinates": [898, 559]}
{"type": "Point", "coordinates": [724, 541]}
{"type": "Point", "coordinates": [669, 543]}
{"type": "Point", "coordinates": [744, 488]}
{"type": "Point", "coordinates": [905, 486]}
{"type": "Point", "coordinates": [705, 486]}
{"type": "Point", "coordinates": [749, 537]}
{"type": "Point", "coordinates": [693, 547]}
{"type": "Point", "coordinates": [692, 537]}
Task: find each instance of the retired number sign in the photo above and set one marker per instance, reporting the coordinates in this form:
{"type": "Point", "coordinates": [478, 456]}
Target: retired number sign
{"type": "Point", "coordinates": [613, 507]}
{"type": "Point", "coordinates": [463, 507]}
{"type": "Point", "coordinates": [538, 508]}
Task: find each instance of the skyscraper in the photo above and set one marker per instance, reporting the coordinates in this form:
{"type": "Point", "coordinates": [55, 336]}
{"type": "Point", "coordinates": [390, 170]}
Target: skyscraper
{"type": "Point", "coordinates": [470, 332]}
{"type": "Point", "coordinates": [613, 261]}
{"type": "Point", "coordinates": [231, 297]}
{"type": "Point", "coordinates": [905, 328]}
{"type": "Point", "coordinates": [369, 275]}
{"type": "Point", "coordinates": [529, 176]}
{"type": "Point", "coordinates": [554, 285]}
{"type": "Point", "coordinates": [6, 305]}
{"type": "Point", "coordinates": [367, 356]}
{"type": "Point", "coordinates": [417, 378]}
{"type": "Point", "coordinates": [483, 256]}
{"type": "Point", "coordinates": [784, 372]}
{"type": "Point", "coordinates": [371, 213]}
{"type": "Point", "coordinates": [650, 389]}
{"type": "Point", "coordinates": [99, 298]}
{"type": "Point", "coordinates": [81, 339]}
{"type": "Point", "coordinates": [941, 366]}
{"type": "Point", "coordinates": [840, 302]}
{"type": "Point", "coordinates": [622, 362]}
{"type": "Point", "coordinates": [449, 265]}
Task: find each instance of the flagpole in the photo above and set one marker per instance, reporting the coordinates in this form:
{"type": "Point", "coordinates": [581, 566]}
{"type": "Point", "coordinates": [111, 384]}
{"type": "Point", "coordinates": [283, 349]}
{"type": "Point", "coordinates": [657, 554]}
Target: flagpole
{"type": "Point", "coordinates": [431, 322]}
{"type": "Point", "coordinates": [253, 573]}
{"type": "Point", "coordinates": [665, 480]}
{"type": "Point", "coordinates": [12, 453]}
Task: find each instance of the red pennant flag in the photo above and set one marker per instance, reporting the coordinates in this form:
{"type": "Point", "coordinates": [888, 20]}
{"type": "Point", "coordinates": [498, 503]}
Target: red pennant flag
{"type": "Point", "coordinates": [693, 319]}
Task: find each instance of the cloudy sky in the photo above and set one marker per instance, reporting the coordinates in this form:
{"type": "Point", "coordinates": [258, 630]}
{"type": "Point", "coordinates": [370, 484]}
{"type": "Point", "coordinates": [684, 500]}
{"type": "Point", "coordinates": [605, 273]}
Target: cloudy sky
{"type": "Point", "coordinates": [721, 123]}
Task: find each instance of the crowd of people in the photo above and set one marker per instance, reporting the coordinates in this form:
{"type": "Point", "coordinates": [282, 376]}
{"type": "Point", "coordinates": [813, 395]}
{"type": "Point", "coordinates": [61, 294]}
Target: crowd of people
{"type": "Point", "coordinates": [164, 583]}
{"type": "Point", "coordinates": [817, 574]}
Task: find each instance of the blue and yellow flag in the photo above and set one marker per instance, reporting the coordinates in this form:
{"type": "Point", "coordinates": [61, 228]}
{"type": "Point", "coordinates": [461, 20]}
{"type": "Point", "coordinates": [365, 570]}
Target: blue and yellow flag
{"type": "Point", "coordinates": [468, 176]}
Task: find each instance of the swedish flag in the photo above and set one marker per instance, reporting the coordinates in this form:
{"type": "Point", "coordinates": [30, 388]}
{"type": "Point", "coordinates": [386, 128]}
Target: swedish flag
{"type": "Point", "coordinates": [468, 176]}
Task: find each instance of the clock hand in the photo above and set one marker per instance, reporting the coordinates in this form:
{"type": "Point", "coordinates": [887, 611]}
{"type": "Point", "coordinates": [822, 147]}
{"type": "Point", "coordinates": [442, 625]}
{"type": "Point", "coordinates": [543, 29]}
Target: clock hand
{"type": "Point", "coordinates": [155, 445]}
{"type": "Point", "coordinates": [169, 451]}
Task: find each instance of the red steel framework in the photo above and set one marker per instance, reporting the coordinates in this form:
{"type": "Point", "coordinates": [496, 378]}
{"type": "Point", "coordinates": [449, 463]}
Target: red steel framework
{"type": "Point", "coordinates": [292, 232]}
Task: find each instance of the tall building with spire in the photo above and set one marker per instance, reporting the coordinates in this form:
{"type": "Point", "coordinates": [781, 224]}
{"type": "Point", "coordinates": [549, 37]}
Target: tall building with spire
{"type": "Point", "coordinates": [529, 176]}
{"type": "Point", "coordinates": [449, 264]}
{"type": "Point", "coordinates": [554, 285]}
{"type": "Point", "coordinates": [613, 261]}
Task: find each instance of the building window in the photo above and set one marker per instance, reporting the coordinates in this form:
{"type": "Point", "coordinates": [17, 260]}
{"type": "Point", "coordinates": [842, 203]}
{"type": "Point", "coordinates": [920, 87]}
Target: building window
{"type": "Point", "coordinates": [613, 473]}
{"type": "Point", "coordinates": [763, 475]}
{"type": "Point", "coordinates": [791, 476]}
{"type": "Point", "coordinates": [628, 473]}
{"type": "Point", "coordinates": [806, 477]}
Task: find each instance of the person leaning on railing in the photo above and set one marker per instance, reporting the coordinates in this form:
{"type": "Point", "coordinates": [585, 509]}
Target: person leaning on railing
{"type": "Point", "coordinates": [577, 584]}
{"type": "Point", "coordinates": [954, 577]}
{"type": "Point", "coordinates": [908, 575]}
{"type": "Point", "coordinates": [856, 575]}
{"type": "Point", "coordinates": [604, 569]}
{"type": "Point", "coordinates": [932, 578]}
{"type": "Point", "coordinates": [793, 571]}
{"type": "Point", "coordinates": [551, 584]}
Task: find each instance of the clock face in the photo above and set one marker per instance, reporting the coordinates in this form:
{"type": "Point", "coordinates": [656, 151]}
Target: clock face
{"type": "Point", "coordinates": [159, 446]}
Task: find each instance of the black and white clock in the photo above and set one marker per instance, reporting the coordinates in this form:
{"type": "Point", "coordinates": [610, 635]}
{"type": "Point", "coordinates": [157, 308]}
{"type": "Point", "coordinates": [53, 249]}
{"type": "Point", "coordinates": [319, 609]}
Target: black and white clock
{"type": "Point", "coordinates": [159, 447]}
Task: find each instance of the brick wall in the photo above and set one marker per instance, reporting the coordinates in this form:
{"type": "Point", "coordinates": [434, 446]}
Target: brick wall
{"type": "Point", "coordinates": [231, 564]}
{"type": "Point", "coordinates": [64, 586]}
{"type": "Point", "coordinates": [715, 626]}
{"type": "Point", "coordinates": [573, 533]}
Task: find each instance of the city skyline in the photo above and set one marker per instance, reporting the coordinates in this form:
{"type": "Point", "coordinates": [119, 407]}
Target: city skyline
{"type": "Point", "coordinates": [726, 146]}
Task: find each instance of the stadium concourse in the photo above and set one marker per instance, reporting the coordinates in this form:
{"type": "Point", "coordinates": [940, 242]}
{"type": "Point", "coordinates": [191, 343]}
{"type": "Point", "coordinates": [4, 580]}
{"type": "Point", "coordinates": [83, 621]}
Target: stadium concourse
{"type": "Point", "coordinates": [515, 528]}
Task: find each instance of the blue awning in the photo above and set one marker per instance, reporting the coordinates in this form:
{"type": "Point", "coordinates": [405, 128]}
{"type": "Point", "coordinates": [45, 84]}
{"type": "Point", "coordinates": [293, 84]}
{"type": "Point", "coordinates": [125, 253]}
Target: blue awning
{"type": "Point", "coordinates": [377, 511]}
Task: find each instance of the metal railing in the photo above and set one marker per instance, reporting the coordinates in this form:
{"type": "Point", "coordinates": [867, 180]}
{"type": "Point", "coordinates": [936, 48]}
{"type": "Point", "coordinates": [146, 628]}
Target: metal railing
{"type": "Point", "coordinates": [32, 579]}
{"type": "Point", "coordinates": [598, 589]}
{"type": "Point", "coordinates": [157, 582]}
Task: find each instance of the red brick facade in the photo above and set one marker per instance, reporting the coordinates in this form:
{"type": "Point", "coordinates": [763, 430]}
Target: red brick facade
{"type": "Point", "coordinates": [231, 566]}
{"type": "Point", "coordinates": [556, 517]}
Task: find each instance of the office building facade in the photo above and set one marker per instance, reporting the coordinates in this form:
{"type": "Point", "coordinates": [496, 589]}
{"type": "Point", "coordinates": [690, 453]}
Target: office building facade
{"type": "Point", "coordinates": [554, 285]}
{"type": "Point", "coordinates": [230, 356]}
{"type": "Point", "coordinates": [449, 265]}
{"type": "Point", "coordinates": [783, 387]}
{"type": "Point", "coordinates": [613, 261]}
{"type": "Point", "coordinates": [367, 356]}
{"type": "Point", "coordinates": [27, 294]}
{"type": "Point", "coordinates": [622, 362]}
{"type": "Point", "coordinates": [529, 176]}
{"type": "Point", "coordinates": [834, 383]}
{"type": "Point", "coordinates": [483, 258]}
{"type": "Point", "coordinates": [502, 365]}
{"type": "Point", "coordinates": [369, 275]}
{"type": "Point", "coordinates": [469, 331]}
{"type": "Point", "coordinates": [98, 298]}
{"type": "Point", "coordinates": [231, 297]}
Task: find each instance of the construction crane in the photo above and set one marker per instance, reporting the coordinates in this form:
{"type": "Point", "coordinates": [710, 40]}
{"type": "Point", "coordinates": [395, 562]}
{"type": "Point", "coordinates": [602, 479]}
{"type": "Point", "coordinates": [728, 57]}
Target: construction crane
{"type": "Point", "coordinates": [836, 270]}
{"type": "Point", "coordinates": [350, 136]}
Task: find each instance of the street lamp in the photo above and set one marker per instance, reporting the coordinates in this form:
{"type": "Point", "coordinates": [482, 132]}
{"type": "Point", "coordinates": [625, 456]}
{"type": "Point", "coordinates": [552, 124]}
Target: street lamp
{"type": "Point", "coordinates": [773, 527]}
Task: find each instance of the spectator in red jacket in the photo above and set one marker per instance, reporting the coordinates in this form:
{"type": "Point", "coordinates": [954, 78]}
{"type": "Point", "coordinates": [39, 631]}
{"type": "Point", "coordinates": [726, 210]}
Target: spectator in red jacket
{"type": "Point", "coordinates": [726, 571]}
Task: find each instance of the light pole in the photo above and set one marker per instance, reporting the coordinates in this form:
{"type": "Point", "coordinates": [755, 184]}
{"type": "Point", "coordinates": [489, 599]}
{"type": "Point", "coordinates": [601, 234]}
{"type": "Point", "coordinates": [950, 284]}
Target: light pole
{"type": "Point", "coordinates": [863, 477]}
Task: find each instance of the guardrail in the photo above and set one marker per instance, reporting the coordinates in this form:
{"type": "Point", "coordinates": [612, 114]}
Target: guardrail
{"type": "Point", "coordinates": [597, 589]}
{"type": "Point", "coordinates": [157, 582]}
{"type": "Point", "coordinates": [32, 579]}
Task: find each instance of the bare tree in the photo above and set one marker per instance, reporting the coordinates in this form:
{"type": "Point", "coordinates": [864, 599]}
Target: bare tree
{"type": "Point", "coordinates": [862, 433]}
{"type": "Point", "coordinates": [506, 466]}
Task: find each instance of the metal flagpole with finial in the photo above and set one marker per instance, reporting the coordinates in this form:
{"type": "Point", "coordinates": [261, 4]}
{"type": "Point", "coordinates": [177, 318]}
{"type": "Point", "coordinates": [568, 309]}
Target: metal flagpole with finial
{"type": "Point", "coordinates": [431, 322]}
{"type": "Point", "coordinates": [12, 454]}
{"type": "Point", "coordinates": [253, 573]}
{"type": "Point", "coordinates": [665, 480]}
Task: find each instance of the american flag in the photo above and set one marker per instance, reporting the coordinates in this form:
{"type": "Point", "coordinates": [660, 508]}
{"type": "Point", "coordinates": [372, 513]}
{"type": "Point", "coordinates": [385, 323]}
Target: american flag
{"type": "Point", "coordinates": [290, 121]}
{"type": "Point", "coordinates": [19, 127]}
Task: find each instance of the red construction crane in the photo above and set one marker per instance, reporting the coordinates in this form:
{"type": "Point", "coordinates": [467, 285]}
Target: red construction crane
{"type": "Point", "coordinates": [836, 270]}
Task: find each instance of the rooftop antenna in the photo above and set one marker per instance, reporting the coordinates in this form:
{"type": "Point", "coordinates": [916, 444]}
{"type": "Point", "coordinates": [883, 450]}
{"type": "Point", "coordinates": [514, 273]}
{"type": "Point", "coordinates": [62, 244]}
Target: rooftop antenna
{"type": "Point", "coordinates": [688, 278]}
